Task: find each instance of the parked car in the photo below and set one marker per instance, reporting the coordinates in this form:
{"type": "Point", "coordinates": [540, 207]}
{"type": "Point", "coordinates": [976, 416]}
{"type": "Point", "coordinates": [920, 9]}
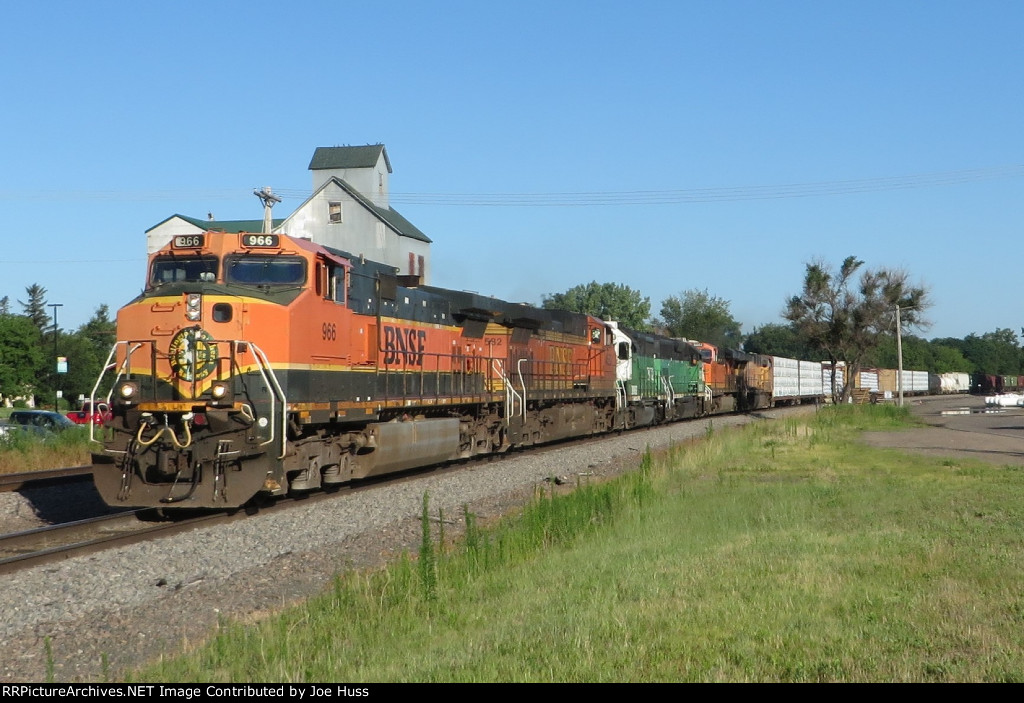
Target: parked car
{"type": "Point", "coordinates": [42, 422]}
{"type": "Point", "coordinates": [99, 414]}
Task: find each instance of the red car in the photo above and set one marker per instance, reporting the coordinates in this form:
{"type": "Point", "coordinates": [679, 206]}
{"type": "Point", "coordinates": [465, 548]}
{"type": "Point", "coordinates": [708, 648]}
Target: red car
{"type": "Point", "coordinates": [98, 414]}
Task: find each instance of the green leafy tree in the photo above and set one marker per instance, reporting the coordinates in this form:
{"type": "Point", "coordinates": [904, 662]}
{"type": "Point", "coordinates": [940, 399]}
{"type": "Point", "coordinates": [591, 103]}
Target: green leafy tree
{"type": "Point", "coordinates": [779, 340]}
{"type": "Point", "coordinates": [936, 356]}
{"type": "Point", "coordinates": [44, 370]}
{"type": "Point", "coordinates": [948, 359]}
{"type": "Point", "coordinates": [845, 316]}
{"type": "Point", "coordinates": [21, 355]}
{"type": "Point", "coordinates": [100, 330]}
{"type": "Point", "coordinates": [696, 314]}
{"type": "Point", "coordinates": [993, 352]}
{"type": "Point", "coordinates": [35, 308]}
{"type": "Point", "coordinates": [83, 367]}
{"type": "Point", "coordinates": [949, 355]}
{"type": "Point", "coordinates": [917, 353]}
{"type": "Point", "coordinates": [609, 301]}
{"type": "Point", "coordinates": [86, 350]}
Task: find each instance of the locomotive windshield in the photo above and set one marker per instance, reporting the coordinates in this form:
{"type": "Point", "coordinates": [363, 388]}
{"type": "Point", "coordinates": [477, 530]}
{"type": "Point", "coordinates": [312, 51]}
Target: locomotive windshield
{"type": "Point", "coordinates": [183, 269]}
{"type": "Point", "coordinates": [265, 270]}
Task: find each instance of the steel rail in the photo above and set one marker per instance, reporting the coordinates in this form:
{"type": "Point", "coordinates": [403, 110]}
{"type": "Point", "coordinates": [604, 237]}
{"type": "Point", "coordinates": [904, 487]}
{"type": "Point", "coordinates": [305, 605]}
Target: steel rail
{"type": "Point", "coordinates": [53, 543]}
{"type": "Point", "coordinates": [33, 479]}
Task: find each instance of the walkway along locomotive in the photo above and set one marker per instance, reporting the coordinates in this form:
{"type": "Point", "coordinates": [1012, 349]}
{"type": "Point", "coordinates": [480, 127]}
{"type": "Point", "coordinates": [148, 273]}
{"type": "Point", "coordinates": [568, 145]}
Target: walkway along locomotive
{"type": "Point", "coordinates": [258, 364]}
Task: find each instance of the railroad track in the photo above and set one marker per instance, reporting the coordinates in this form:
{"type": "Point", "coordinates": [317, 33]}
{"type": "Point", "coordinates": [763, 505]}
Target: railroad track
{"type": "Point", "coordinates": [46, 477]}
{"type": "Point", "coordinates": [43, 545]}
{"type": "Point", "coordinates": [54, 543]}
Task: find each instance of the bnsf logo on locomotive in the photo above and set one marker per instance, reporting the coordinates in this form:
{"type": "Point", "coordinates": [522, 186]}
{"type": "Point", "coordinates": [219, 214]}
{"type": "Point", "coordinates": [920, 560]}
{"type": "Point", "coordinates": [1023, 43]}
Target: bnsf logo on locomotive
{"type": "Point", "coordinates": [193, 354]}
{"type": "Point", "coordinates": [404, 345]}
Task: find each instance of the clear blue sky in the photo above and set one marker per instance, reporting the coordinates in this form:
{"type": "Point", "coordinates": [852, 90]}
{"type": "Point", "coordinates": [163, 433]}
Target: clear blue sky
{"type": "Point", "coordinates": [746, 139]}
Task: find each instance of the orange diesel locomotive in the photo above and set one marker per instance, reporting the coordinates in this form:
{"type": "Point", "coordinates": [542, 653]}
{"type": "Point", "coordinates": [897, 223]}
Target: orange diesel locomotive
{"type": "Point", "coordinates": [255, 364]}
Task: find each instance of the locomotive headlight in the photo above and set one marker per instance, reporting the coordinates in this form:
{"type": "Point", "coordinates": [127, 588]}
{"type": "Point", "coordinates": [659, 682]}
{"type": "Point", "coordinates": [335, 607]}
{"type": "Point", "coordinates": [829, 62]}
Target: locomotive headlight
{"type": "Point", "coordinates": [193, 307]}
{"type": "Point", "coordinates": [221, 394]}
{"type": "Point", "coordinates": [128, 391]}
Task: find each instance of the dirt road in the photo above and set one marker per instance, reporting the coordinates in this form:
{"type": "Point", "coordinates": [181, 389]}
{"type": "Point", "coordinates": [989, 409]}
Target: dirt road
{"type": "Point", "coordinates": [960, 427]}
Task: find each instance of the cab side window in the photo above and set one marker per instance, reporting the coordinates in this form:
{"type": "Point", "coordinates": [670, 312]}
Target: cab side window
{"type": "Point", "coordinates": [337, 284]}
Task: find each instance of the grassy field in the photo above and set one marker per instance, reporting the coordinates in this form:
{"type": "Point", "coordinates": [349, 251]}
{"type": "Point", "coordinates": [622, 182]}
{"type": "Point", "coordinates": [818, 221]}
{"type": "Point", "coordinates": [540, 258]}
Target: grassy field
{"type": "Point", "coordinates": [784, 551]}
{"type": "Point", "coordinates": [20, 451]}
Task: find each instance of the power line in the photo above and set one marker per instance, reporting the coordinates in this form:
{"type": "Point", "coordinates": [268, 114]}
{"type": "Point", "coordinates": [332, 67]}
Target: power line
{"type": "Point", "coordinates": [707, 195]}
{"type": "Point", "coordinates": [574, 198]}
{"type": "Point", "coordinates": [126, 195]}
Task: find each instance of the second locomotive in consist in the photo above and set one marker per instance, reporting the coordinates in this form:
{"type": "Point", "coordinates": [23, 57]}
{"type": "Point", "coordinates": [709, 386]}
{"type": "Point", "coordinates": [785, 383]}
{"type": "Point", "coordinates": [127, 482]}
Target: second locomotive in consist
{"type": "Point", "coordinates": [258, 364]}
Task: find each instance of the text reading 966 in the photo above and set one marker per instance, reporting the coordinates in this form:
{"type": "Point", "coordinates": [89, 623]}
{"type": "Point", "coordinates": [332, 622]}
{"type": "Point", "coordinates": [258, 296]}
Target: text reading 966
{"type": "Point", "coordinates": [260, 240]}
{"type": "Point", "coordinates": [188, 241]}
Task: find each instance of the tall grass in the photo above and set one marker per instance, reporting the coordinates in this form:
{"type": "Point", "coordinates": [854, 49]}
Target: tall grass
{"type": "Point", "coordinates": [26, 451]}
{"type": "Point", "coordinates": [785, 551]}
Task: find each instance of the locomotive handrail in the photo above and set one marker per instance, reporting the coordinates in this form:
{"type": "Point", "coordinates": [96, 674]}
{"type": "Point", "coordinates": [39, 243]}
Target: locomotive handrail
{"type": "Point", "coordinates": [106, 367]}
{"type": "Point", "coordinates": [522, 382]}
{"type": "Point", "coordinates": [496, 366]}
{"type": "Point", "coordinates": [620, 394]}
{"type": "Point", "coordinates": [511, 395]}
{"type": "Point", "coordinates": [263, 366]}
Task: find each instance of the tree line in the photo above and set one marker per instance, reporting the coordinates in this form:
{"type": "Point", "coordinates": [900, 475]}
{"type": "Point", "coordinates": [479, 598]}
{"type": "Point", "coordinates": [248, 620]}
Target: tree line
{"type": "Point", "coordinates": [846, 313]}
{"type": "Point", "coordinates": [29, 346]}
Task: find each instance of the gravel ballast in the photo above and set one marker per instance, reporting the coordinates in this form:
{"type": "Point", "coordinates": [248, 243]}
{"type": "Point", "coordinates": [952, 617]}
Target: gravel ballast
{"type": "Point", "coordinates": [113, 611]}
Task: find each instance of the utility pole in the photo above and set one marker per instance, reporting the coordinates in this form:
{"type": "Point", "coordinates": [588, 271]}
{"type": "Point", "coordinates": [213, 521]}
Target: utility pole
{"type": "Point", "coordinates": [56, 372]}
{"type": "Point", "coordinates": [269, 200]}
{"type": "Point", "coordinates": [899, 354]}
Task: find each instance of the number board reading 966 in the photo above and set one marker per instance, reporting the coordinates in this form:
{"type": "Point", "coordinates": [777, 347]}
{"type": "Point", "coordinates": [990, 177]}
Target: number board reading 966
{"type": "Point", "coordinates": [260, 240]}
{"type": "Point", "coordinates": [188, 241]}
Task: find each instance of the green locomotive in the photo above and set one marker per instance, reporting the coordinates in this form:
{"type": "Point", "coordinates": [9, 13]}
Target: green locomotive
{"type": "Point", "coordinates": [659, 378]}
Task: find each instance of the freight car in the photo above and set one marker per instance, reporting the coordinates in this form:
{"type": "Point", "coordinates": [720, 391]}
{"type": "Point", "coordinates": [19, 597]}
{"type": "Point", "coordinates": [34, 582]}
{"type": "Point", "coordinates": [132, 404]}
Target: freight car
{"type": "Point", "coordinates": [949, 382]}
{"type": "Point", "coordinates": [798, 381]}
{"type": "Point", "coordinates": [989, 384]}
{"type": "Point", "coordinates": [913, 382]}
{"type": "Point", "coordinates": [986, 384]}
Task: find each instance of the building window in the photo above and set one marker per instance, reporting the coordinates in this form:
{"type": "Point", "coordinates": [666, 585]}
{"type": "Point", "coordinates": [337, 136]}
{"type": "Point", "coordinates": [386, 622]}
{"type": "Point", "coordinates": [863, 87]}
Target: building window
{"type": "Point", "coordinates": [420, 262]}
{"type": "Point", "coordinates": [334, 213]}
